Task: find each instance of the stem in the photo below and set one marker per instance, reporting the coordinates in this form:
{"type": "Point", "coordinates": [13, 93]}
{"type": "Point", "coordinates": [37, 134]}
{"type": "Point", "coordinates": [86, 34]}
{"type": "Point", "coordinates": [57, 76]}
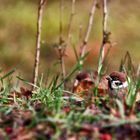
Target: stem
{"type": "Point", "coordinates": [71, 19]}
{"type": "Point", "coordinates": [61, 49]}
{"type": "Point", "coordinates": [38, 40]}
{"type": "Point", "coordinates": [60, 22]}
{"type": "Point", "coordinates": [105, 37]}
{"type": "Point", "coordinates": [89, 27]}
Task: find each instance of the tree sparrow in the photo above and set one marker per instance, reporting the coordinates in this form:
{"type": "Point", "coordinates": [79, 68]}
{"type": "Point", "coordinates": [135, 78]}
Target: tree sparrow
{"type": "Point", "coordinates": [117, 84]}
{"type": "Point", "coordinates": [84, 82]}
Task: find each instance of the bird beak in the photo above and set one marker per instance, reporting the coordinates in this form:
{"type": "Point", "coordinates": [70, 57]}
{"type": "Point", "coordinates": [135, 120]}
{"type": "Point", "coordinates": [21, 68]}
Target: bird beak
{"type": "Point", "coordinates": [108, 77]}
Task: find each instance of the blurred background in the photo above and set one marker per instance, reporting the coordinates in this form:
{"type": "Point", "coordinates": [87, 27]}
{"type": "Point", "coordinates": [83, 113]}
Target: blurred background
{"type": "Point", "coordinates": [18, 33]}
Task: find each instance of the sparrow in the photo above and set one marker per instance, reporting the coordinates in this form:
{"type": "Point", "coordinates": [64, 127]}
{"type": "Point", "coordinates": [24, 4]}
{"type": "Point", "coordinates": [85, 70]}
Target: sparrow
{"type": "Point", "coordinates": [117, 84]}
{"type": "Point", "coordinates": [82, 84]}
{"type": "Point", "coordinates": [85, 82]}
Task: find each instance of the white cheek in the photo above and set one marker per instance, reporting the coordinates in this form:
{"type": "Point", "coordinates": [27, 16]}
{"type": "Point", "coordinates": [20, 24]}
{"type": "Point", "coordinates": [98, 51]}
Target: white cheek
{"type": "Point", "coordinates": [76, 83]}
{"type": "Point", "coordinates": [125, 84]}
{"type": "Point", "coordinates": [114, 85]}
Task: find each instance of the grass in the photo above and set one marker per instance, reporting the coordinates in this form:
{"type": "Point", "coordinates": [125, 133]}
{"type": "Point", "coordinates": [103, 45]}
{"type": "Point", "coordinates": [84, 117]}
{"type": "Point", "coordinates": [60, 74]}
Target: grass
{"type": "Point", "coordinates": [49, 113]}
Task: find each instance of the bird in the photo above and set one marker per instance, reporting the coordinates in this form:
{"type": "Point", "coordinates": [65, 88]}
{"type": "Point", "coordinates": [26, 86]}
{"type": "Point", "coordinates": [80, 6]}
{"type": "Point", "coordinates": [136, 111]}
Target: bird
{"type": "Point", "coordinates": [85, 87]}
{"type": "Point", "coordinates": [117, 84]}
{"type": "Point", "coordinates": [118, 87]}
{"type": "Point", "coordinates": [85, 81]}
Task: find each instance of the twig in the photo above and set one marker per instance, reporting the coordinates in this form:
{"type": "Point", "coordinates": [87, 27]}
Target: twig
{"type": "Point", "coordinates": [61, 21]}
{"type": "Point", "coordinates": [105, 36]}
{"type": "Point", "coordinates": [61, 46]}
{"type": "Point", "coordinates": [89, 27]}
{"type": "Point", "coordinates": [71, 20]}
{"type": "Point", "coordinates": [38, 40]}
{"type": "Point", "coordinates": [108, 51]}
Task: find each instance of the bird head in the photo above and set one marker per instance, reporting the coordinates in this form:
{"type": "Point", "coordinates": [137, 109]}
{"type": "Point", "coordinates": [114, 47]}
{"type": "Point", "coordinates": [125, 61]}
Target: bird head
{"type": "Point", "coordinates": [117, 80]}
{"type": "Point", "coordinates": [83, 82]}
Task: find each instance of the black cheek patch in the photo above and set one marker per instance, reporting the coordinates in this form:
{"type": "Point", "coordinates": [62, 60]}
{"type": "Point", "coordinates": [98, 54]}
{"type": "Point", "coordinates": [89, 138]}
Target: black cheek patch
{"type": "Point", "coordinates": [110, 84]}
{"type": "Point", "coordinates": [118, 83]}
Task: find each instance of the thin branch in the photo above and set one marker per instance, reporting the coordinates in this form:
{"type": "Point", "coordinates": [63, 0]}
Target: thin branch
{"type": "Point", "coordinates": [89, 27]}
{"type": "Point", "coordinates": [61, 7]}
{"type": "Point", "coordinates": [108, 51]}
{"type": "Point", "coordinates": [105, 36]}
{"type": "Point", "coordinates": [38, 40]}
{"type": "Point", "coordinates": [61, 46]}
{"type": "Point", "coordinates": [62, 61]}
{"type": "Point", "coordinates": [71, 19]}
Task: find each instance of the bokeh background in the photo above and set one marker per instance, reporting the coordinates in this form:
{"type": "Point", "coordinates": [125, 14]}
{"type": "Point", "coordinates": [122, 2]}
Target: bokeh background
{"type": "Point", "coordinates": [18, 32]}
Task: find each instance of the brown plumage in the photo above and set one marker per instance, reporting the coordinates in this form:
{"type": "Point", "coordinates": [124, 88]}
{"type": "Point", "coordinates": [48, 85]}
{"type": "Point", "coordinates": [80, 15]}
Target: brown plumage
{"type": "Point", "coordinates": [116, 75]}
{"type": "Point", "coordinates": [84, 83]}
{"type": "Point", "coordinates": [114, 83]}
